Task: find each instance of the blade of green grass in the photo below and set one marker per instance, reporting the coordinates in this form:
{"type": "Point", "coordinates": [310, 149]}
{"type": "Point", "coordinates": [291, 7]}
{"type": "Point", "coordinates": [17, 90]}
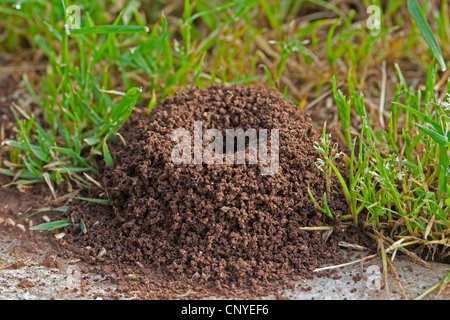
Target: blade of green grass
{"type": "Point", "coordinates": [99, 201]}
{"type": "Point", "coordinates": [109, 29]}
{"type": "Point", "coordinates": [59, 209]}
{"type": "Point", "coordinates": [416, 12]}
{"type": "Point", "coordinates": [51, 225]}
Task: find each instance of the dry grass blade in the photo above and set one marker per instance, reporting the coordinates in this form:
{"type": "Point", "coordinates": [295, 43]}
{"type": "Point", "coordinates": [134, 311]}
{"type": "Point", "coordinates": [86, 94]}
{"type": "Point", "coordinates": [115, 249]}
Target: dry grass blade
{"type": "Point", "coordinates": [69, 195]}
{"type": "Point", "coordinates": [397, 278]}
{"type": "Point", "coordinates": [121, 138]}
{"type": "Point", "coordinates": [22, 112]}
{"type": "Point", "coordinates": [428, 228]}
{"type": "Point", "coordinates": [93, 181]}
{"type": "Point", "coordinates": [2, 135]}
{"type": "Point", "coordinates": [385, 270]}
{"type": "Point", "coordinates": [394, 247]}
{"type": "Point", "coordinates": [410, 254]}
{"type": "Point", "coordinates": [50, 185]}
{"type": "Point", "coordinates": [322, 228]}
{"type": "Point", "coordinates": [318, 99]}
{"type": "Point", "coordinates": [345, 264]}
{"type": "Point", "coordinates": [383, 92]}
{"type": "Point", "coordinates": [25, 68]}
{"type": "Point", "coordinates": [352, 246]}
{"type": "Point", "coordinates": [326, 235]}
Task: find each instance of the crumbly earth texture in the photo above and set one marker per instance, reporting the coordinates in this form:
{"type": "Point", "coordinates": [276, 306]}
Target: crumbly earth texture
{"type": "Point", "coordinates": [211, 228]}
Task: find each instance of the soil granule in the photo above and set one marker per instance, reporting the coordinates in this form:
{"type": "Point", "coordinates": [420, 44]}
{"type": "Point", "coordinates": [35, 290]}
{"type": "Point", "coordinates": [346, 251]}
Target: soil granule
{"type": "Point", "coordinates": [211, 227]}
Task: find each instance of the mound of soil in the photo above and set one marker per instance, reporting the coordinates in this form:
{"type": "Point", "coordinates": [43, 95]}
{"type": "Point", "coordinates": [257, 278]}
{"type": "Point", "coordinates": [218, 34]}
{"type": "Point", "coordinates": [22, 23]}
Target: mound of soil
{"type": "Point", "coordinates": [226, 226]}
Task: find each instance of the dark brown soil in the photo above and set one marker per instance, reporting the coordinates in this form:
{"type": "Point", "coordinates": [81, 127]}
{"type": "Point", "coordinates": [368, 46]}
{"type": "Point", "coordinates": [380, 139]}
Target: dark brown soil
{"type": "Point", "coordinates": [210, 228]}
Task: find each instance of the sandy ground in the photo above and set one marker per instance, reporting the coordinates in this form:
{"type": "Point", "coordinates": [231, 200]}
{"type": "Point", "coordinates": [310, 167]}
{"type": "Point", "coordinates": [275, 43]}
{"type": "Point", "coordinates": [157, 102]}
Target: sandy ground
{"type": "Point", "coordinates": [34, 274]}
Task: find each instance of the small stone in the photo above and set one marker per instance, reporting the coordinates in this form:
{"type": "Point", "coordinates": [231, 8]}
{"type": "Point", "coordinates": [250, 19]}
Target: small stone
{"type": "Point", "coordinates": [10, 222]}
{"type": "Point", "coordinates": [74, 261]}
{"type": "Point", "coordinates": [46, 218]}
{"type": "Point", "coordinates": [204, 276]}
{"type": "Point", "coordinates": [21, 227]}
{"type": "Point", "coordinates": [132, 276]}
{"type": "Point", "coordinates": [30, 224]}
{"type": "Point", "coordinates": [60, 235]}
{"type": "Point", "coordinates": [101, 253]}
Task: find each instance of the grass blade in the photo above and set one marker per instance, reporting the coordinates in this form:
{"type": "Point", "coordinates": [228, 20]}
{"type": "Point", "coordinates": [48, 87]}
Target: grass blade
{"type": "Point", "coordinates": [83, 226]}
{"type": "Point", "coordinates": [109, 29]}
{"type": "Point", "coordinates": [59, 209]}
{"type": "Point", "coordinates": [99, 201]}
{"type": "Point", "coordinates": [106, 154]}
{"type": "Point", "coordinates": [51, 225]}
{"type": "Point", "coordinates": [424, 27]}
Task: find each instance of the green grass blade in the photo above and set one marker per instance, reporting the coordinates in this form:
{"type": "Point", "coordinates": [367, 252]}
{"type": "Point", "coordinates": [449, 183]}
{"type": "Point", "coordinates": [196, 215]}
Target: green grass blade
{"type": "Point", "coordinates": [99, 201]}
{"type": "Point", "coordinates": [416, 12]}
{"type": "Point", "coordinates": [422, 117]}
{"type": "Point", "coordinates": [109, 29]}
{"type": "Point", "coordinates": [83, 226]}
{"type": "Point", "coordinates": [106, 154]}
{"type": "Point", "coordinates": [439, 138]}
{"type": "Point", "coordinates": [71, 153]}
{"type": "Point", "coordinates": [51, 225]}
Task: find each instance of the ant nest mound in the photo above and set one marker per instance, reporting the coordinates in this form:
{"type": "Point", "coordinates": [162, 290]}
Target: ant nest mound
{"type": "Point", "coordinates": [191, 201]}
